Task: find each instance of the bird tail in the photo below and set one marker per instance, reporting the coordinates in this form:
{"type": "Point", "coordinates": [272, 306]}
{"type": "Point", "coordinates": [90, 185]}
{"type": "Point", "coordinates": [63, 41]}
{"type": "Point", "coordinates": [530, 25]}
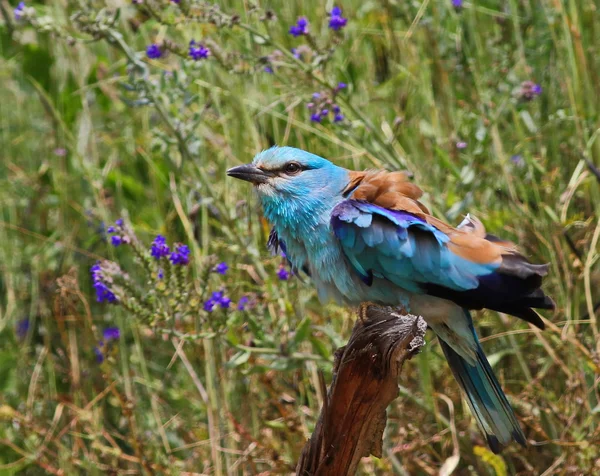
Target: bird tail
{"type": "Point", "coordinates": [487, 401]}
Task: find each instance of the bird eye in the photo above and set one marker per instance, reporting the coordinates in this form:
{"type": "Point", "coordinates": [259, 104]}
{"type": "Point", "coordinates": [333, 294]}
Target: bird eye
{"type": "Point", "coordinates": [292, 168]}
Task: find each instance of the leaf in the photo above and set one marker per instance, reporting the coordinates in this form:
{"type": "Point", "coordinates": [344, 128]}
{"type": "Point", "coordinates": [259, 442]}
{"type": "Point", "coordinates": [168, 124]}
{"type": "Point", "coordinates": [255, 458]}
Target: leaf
{"type": "Point", "coordinates": [449, 465]}
{"type": "Point", "coordinates": [238, 359]}
{"type": "Point", "coordinates": [496, 357]}
{"type": "Point", "coordinates": [302, 332]}
{"type": "Point", "coordinates": [495, 461]}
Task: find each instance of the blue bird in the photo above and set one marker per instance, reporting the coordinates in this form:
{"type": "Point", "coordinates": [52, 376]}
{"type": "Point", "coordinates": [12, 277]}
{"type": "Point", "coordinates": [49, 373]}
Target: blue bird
{"type": "Point", "coordinates": [365, 237]}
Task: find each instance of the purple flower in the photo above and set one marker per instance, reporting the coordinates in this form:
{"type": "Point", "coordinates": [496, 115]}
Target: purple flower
{"type": "Point", "coordinates": [111, 229]}
{"type": "Point", "coordinates": [22, 328]}
{"type": "Point", "coordinates": [341, 86]}
{"type": "Point", "coordinates": [336, 108]}
{"type": "Point", "coordinates": [209, 305]}
{"type": "Point", "coordinates": [216, 295]}
{"type": "Point", "coordinates": [161, 274]}
{"type": "Point", "coordinates": [111, 333]}
{"type": "Point", "coordinates": [529, 90]}
{"type": "Point", "coordinates": [153, 51]}
{"type": "Point", "coordinates": [119, 222]}
{"type": "Point", "coordinates": [461, 145]}
{"type": "Point", "coordinates": [103, 292]}
{"type": "Point", "coordinates": [283, 274]}
{"type": "Point", "coordinates": [225, 302]}
{"type": "Point", "coordinates": [198, 51]}
{"type": "Point", "coordinates": [316, 95]}
{"type": "Point", "coordinates": [316, 117]}
{"type": "Point", "coordinates": [175, 1]}
{"type": "Point", "coordinates": [180, 256]}
{"type": "Point", "coordinates": [268, 69]}
{"type": "Point", "coordinates": [242, 303]}
{"type": "Point", "coordinates": [300, 28]}
{"type": "Point", "coordinates": [116, 240]}
{"type": "Point", "coordinates": [296, 53]}
{"type": "Point", "coordinates": [19, 10]}
{"type": "Point", "coordinates": [96, 271]}
{"type": "Point", "coordinates": [99, 355]}
{"type": "Point", "coordinates": [159, 247]}
{"type": "Point", "coordinates": [517, 160]}
{"type": "Point", "coordinates": [221, 268]}
{"type": "Point", "coordinates": [324, 112]}
{"type": "Point", "coordinates": [458, 4]}
{"type": "Point", "coordinates": [336, 20]}
{"type": "Point", "coordinates": [338, 117]}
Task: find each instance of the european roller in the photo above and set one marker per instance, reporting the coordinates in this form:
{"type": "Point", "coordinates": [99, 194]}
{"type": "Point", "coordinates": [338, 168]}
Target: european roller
{"type": "Point", "coordinates": [365, 237]}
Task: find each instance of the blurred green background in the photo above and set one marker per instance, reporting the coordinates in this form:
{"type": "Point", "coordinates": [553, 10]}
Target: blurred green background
{"type": "Point", "coordinates": [493, 105]}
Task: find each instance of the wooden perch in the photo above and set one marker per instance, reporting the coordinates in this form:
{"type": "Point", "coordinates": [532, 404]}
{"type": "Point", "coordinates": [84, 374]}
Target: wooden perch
{"type": "Point", "coordinates": [365, 382]}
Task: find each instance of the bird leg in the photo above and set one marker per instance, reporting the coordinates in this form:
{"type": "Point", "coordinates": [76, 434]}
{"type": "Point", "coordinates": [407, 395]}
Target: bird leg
{"type": "Point", "coordinates": [363, 309]}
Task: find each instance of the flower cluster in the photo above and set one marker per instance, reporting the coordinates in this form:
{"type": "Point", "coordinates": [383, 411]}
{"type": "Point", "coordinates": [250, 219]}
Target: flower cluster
{"type": "Point", "coordinates": [323, 104]}
{"type": "Point", "coordinates": [153, 51]}
{"type": "Point", "coordinates": [19, 11]}
{"type": "Point", "coordinates": [109, 334]}
{"type": "Point", "coordinates": [336, 21]}
{"type": "Point", "coordinates": [159, 248]}
{"type": "Point", "coordinates": [457, 4]}
{"type": "Point", "coordinates": [198, 51]}
{"type": "Point", "coordinates": [300, 28]}
{"type": "Point", "coordinates": [283, 274]}
{"type": "Point", "coordinates": [529, 90]}
{"type": "Point", "coordinates": [103, 292]}
{"type": "Point", "coordinates": [117, 231]}
{"type": "Point", "coordinates": [217, 298]}
{"type": "Point", "coordinates": [181, 255]}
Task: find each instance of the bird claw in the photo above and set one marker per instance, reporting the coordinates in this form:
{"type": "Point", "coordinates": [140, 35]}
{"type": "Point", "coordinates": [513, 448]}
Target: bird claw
{"type": "Point", "coordinates": [362, 311]}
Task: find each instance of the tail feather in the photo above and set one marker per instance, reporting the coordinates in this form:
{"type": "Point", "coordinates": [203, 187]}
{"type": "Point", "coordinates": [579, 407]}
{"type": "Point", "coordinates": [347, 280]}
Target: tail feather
{"type": "Point", "coordinates": [487, 401]}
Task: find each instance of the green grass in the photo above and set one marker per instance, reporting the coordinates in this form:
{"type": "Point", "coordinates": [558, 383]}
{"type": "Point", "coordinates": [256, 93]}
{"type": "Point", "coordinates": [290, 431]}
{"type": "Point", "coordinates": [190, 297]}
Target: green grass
{"type": "Point", "coordinates": [238, 392]}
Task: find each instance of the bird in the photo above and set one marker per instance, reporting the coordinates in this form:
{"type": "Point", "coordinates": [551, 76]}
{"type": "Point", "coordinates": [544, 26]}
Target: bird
{"type": "Point", "coordinates": [364, 237]}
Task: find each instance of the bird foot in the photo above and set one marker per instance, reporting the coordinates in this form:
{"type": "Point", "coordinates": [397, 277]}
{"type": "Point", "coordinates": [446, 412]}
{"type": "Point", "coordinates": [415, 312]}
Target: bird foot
{"type": "Point", "coordinates": [363, 309]}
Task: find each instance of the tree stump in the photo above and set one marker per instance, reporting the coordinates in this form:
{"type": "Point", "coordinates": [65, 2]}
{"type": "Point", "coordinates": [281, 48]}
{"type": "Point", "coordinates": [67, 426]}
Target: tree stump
{"type": "Point", "coordinates": [365, 382]}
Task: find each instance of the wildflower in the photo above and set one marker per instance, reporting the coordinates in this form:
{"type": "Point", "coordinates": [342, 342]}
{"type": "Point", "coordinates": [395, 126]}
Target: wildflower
{"type": "Point", "coordinates": [180, 256]}
{"type": "Point", "coordinates": [153, 51]}
{"type": "Point", "coordinates": [119, 222]}
{"type": "Point", "coordinates": [103, 292]}
{"type": "Point", "coordinates": [161, 274]}
{"type": "Point", "coordinates": [461, 145]}
{"type": "Point", "coordinates": [209, 305]}
{"type": "Point", "coordinates": [283, 274]}
{"type": "Point", "coordinates": [221, 268]}
{"type": "Point", "coordinates": [341, 86]}
{"type": "Point", "coordinates": [517, 160]}
{"type": "Point", "coordinates": [19, 10]}
{"type": "Point", "coordinates": [315, 117]}
{"type": "Point", "coordinates": [296, 53]}
{"type": "Point", "coordinates": [111, 229]}
{"type": "Point", "coordinates": [111, 333]}
{"type": "Point", "coordinates": [338, 117]}
{"type": "Point", "coordinates": [175, 1]}
{"type": "Point", "coordinates": [216, 295]}
{"type": "Point", "coordinates": [529, 90]}
{"type": "Point", "coordinates": [457, 4]}
{"type": "Point", "coordinates": [198, 51]}
{"type": "Point", "coordinates": [22, 328]}
{"type": "Point", "coordinates": [300, 28]}
{"type": "Point", "coordinates": [159, 247]}
{"type": "Point", "coordinates": [242, 303]}
{"type": "Point", "coordinates": [336, 21]}
{"type": "Point", "coordinates": [99, 355]}
{"type": "Point", "coordinates": [316, 95]}
{"type": "Point", "coordinates": [268, 69]}
{"type": "Point", "coordinates": [116, 240]}
{"type": "Point", "coordinates": [336, 108]}
{"type": "Point", "coordinates": [225, 302]}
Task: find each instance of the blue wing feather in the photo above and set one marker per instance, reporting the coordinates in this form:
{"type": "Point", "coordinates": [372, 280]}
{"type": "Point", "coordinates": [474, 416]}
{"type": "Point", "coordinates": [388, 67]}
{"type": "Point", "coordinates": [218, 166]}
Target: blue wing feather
{"type": "Point", "coordinates": [401, 247]}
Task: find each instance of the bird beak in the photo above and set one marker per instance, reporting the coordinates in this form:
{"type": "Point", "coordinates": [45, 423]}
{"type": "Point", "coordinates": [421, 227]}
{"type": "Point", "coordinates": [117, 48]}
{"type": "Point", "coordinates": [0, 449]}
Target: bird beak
{"type": "Point", "coordinates": [250, 173]}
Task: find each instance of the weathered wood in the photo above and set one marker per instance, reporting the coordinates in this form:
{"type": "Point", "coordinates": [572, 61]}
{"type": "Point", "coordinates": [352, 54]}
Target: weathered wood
{"type": "Point", "coordinates": [365, 382]}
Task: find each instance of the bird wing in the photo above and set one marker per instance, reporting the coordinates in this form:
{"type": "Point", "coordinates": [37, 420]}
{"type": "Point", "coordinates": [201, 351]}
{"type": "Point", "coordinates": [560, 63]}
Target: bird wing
{"type": "Point", "coordinates": [385, 232]}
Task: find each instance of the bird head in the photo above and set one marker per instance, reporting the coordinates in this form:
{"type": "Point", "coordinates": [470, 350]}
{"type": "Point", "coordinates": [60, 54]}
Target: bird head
{"type": "Point", "coordinates": [293, 184]}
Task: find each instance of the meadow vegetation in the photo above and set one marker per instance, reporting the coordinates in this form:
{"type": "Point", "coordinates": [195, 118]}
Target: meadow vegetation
{"type": "Point", "coordinates": [118, 121]}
